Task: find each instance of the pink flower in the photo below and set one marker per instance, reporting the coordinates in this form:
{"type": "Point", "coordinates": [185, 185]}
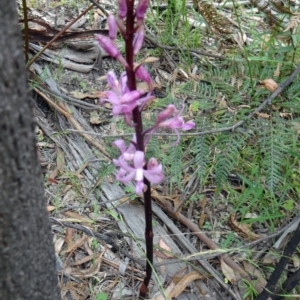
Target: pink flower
{"type": "Point", "coordinates": [137, 172]}
{"type": "Point", "coordinates": [123, 100]}
{"type": "Point", "coordinates": [125, 103]}
{"type": "Point", "coordinates": [175, 123]}
{"type": "Point", "coordinates": [126, 153]}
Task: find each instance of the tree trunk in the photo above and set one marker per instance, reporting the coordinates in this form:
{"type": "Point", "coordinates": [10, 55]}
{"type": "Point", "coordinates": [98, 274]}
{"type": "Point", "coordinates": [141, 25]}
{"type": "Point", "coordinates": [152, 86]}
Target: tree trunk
{"type": "Point", "coordinates": [27, 261]}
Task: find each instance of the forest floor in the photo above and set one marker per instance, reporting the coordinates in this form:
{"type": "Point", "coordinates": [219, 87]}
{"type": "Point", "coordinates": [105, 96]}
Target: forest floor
{"type": "Point", "coordinates": [230, 199]}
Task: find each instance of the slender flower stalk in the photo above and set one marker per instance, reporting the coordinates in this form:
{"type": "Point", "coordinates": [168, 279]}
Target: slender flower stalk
{"type": "Point", "coordinates": [127, 100]}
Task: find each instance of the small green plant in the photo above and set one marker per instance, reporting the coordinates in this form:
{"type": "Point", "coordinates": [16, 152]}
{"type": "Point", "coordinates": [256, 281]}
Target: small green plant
{"type": "Point", "coordinates": [83, 86]}
{"type": "Point", "coordinates": [250, 289]}
{"type": "Point", "coordinates": [130, 190]}
{"type": "Point", "coordinates": [95, 244]}
{"type": "Point", "coordinates": [101, 296]}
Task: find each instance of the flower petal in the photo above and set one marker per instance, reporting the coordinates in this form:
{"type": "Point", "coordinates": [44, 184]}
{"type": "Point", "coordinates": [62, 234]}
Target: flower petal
{"type": "Point", "coordinates": [152, 163]}
{"type": "Point", "coordinates": [139, 188]}
{"type": "Point", "coordinates": [120, 144]}
{"type": "Point", "coordinates": [122, 177]}
{"type": "Point", "coordinates": [188, 125]}
{"type": "Point", "coordinates": [130, 96]}
{"type": "Point", "coordinates": [155, 175]}
{"type": "Point", "coordinates": [112, 80]}
{"type": "Point", "coordinates": [124, 165]}
{"type": "Point", "coordinates": [138, 160]}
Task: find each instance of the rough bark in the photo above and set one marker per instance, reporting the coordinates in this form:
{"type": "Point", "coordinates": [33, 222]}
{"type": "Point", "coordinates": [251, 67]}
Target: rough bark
{"type": "Point", "coordinates": [27, 261]}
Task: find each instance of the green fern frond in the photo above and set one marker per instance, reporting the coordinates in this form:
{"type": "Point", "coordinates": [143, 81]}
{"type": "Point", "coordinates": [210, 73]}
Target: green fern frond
{"type": "Point", "coordinates": [227, 153]}
{"type": "Point", "coordinates": [201, 147]}
{"type": "Point", "coordinates": [176, 164]}
{"type": "Point", "coordinates": [273, 147]}
{"type": "Point", "coordinates": [293, 90]}
{"type": "Point", "coordinates": [154, 147]}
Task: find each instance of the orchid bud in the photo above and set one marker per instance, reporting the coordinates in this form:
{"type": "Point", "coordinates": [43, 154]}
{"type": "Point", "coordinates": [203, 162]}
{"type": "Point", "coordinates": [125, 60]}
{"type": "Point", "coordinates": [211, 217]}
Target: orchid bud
{"type": "Point", "coordinates": [142, 74]}
{"type": "Point", "coordinates": [138, 40]}
{"type": "Point", "coordinates": [113, 27]}
{"type": "Point", "coordinates": [122, 9]}
{"type": "Point", "coordinates": [141, 9]}
{"type": "Point", "coordinates": [108, 45]}
{"type": "Point", "coordinates": [166, 113]}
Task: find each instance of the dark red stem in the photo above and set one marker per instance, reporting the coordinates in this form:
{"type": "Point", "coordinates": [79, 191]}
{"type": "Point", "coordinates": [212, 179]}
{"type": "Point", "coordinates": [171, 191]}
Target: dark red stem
{"type": "Point", "coordinates": [137, 120]}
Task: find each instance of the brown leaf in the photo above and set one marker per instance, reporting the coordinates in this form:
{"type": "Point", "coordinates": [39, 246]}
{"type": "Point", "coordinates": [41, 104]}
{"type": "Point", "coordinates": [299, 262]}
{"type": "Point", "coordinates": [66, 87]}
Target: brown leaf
{"type": "Point", "coordinates": [263, 115]}
{"type": "Point", "coordinates": [228, 272]}
{"type": "Point", "coordinates": [94, 117]}
{"type": "Point", "coordinates": [270, 259]}
{"type": "Point", "coordinates": [53, 180]}
{"type": "Point", "coordinates": [162, 199]}
{"type": "Point", "coordinates": [242, 229]}
{"type": "Point", "coordinates": [163, 245]}
{"type": "Point", "coordinates": [77, 217]}
{"type": "Point", "coordinates": [201, 219]}
{"type": "Point", "coordinates": [93, 270]}
{"type": "Point", "coordinates": [84, 260]}
{"type": "Point", "coordinates": [177, 202]}
{"type": "Point", "coordinates": [165, 75]}
{"type": "Point", "coordinates": [60, 164]}
{"type": "Point", "coordinates": [76, 244]}
{"type": "Point", "coordinates": [78, 291]}
{"type": "Point", "coordinates": [70, 233]}
{"type": "Point", "coordinates": [167, 291]}
{"type": "Point", "coordinates": [165, 251]}
{"type": "Point", "coordinates": [150, 59]}
{"type": "Point", "coordinates": [255, 273]}
{"type": "Point", "coordinates": [70, 196]}
{"type": "Point", "coordinates": [159, 254]}
{"type": "Point", "coordinates": [58, 245]}
{"type": "Point", "coordinates": [80, 95]}
{"type": "Point", "coordinates": [184, 282]}
{"type": "Point", "coordinates": [202, 215]}
{"type": "Point", "coordinates": [270, 84]}
{"type": "Point", "coordinates": [142, 86]}
{"type": "Point", "coordinates": [285, 115]}
{"type": "Point", "coordinates": [50, 208]}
